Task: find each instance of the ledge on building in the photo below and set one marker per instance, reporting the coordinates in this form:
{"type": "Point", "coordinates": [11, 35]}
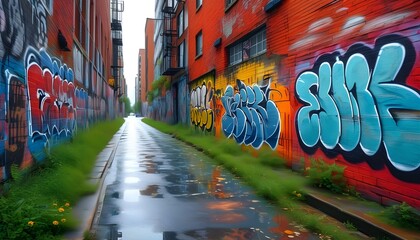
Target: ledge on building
{"type": "Point", "coordinates": [218, 42]}
{"type": "Point", "coordinates": [172, 71]}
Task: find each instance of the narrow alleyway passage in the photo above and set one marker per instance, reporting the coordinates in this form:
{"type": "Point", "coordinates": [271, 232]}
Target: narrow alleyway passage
{"type": "Point", "coordinates": [161, 188]}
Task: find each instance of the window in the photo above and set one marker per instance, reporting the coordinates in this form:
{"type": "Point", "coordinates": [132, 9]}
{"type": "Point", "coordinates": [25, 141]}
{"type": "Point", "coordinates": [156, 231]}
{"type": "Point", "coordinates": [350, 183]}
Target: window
{"type": "Point", "coordinates": [181, 55]}
{"type": "Point", "coordinates": [199, 44]}
{"type": "Point", "coordinates": [229, 3]}
{"type": "Point", "coordinates": [48, 4]}
{"type": "Point", "coordinates": [248, 47]}
{"type": "Point", "coordinates": [258, 43]}
{"type": "Point", "coordinates": [180, 23]}
{"type": "Point", "coordinates": [235, 54]}
{"type": "Point", "coordinates": [198, 4]}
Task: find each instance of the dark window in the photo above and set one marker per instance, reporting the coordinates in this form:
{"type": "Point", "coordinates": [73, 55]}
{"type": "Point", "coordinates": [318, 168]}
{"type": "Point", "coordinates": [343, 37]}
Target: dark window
{"type": "Point", "coordinates": [199, 44]}
{"type": "Point", "coordinates": [229, 3]}
{"type": "Point", "coordinates": [249, 47]}
{"type": "Point", "coordinates": [181, 55]}
{"type": "Point", "coordinates": [180, 23]}
{"type": "Point", "coordinates": [198, 3]}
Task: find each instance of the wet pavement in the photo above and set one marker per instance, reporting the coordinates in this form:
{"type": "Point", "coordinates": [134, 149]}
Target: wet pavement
{"type": "Point", "coordinates": [160, 188]}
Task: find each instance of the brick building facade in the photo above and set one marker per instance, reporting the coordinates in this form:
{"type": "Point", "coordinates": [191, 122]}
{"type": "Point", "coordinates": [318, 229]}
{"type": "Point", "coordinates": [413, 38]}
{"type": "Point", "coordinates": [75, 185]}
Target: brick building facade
{"type": "Point", "coordinates": [56, 59]}
{"type": "Point", "coordinates": [337, 81]}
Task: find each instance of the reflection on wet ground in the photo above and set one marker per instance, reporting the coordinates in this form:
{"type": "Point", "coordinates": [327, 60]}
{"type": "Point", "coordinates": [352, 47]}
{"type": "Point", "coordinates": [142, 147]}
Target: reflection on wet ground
{"type": "Point", "coordinates": [160, 188]}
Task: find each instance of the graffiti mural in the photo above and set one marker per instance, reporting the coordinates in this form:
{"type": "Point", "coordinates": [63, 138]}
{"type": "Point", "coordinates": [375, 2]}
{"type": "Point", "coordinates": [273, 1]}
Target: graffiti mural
{"type": "Point", "coordinates": [182, 96]}
{"type": "Point", "coordinates": [51, 94]}
{"type": "Point", "coordinates": [359, 102]}
{"type": "Point", "coordinates": [201, 106]}
{"type": "Point", "coordinates": [40, 104]}
{"type": "Point", "coordinates": [250, 116]}
{"type": "Point", "coordinates": [22, 23]}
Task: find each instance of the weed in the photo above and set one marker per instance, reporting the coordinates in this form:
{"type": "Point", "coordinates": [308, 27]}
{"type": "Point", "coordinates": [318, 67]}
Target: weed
{"type": "Point", "coordinates": [87, 235]}
{"type": "Point", "coordinates": [329, 176]}
{"type": "Point", "coordinates": [349, 225]}
{"type": "Point", "coordinates": [404, 215]}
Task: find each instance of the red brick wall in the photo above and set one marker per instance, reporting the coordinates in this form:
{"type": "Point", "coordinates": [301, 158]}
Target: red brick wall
{"type": "Point", "coordinates": [315, 30]}
{"type": "Point", "coordinates": [376, 137]}
{"type": "Point", "coordinates": [207, 20]}
{"type": "Point", "coordinates": [142, 54]}
{"type": "Point", "coordinates": [42, 99]}
{"type": "Point", "coordinates": [150, 51]}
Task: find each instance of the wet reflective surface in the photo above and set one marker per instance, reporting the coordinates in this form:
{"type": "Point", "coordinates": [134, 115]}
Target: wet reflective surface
{"type": "Point", "coordinates": [160, 188]}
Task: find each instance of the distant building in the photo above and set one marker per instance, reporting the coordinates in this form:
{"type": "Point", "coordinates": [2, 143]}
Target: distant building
{"type": "Point", "coordinates": [141, 76]}
{"type": "Point", "coordinates": [149, 65]}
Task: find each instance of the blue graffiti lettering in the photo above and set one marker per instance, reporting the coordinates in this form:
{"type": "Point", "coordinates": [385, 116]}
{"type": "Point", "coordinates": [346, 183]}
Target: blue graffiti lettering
{"type": "Point", "coordinates": [357, 104]}
{"type": "Point", "coordinates": [250, 117]}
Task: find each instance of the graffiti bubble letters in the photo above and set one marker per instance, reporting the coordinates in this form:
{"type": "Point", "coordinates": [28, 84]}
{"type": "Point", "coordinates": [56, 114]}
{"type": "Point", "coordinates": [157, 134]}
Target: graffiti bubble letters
{"type": "Point", "coordinates": [51, 95]}
{"type": "Point", "coordinates": [250, 116]}
{"type": "Point", "coordinates": [361, 101]}
{"type": "Point", "coordinates": [200, 112]}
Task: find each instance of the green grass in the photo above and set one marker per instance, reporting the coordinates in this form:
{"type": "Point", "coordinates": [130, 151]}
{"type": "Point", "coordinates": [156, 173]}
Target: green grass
{"type": "Point", "coordinates": [264, 171]}
{"type": "Point", "coordinates": [38, 192]}
{"type": "Point", "coordinates": [401, 215]}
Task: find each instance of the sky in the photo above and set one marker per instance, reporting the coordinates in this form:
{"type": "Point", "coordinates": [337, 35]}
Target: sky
{"type": "Point", "coordinates": [133, 25]}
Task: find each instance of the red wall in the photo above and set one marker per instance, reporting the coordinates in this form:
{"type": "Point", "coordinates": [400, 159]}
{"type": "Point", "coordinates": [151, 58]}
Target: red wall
{"type": "Point", "coordinates": [302, 35]}
{"type": "Point", "coordinates": [44, 99]}
{"type": "Point", "coordinates": [150, 51]}
{"type": "Point", "coordinates": [318, 29]}
{"type": "Point", "coordinates": [142, 54]}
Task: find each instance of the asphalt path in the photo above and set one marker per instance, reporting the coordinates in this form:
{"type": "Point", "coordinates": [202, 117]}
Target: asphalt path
{"type": "Point", "coordinates": [160, 188]}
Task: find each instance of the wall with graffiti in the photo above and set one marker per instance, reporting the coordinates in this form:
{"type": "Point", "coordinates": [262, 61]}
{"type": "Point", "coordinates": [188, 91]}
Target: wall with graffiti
{"type": "Point", "coordinates": [356, 82]}
{"type": "Point", "coordinates": [182, 101]}
{"type": "Point", "coordinates": [162, 107]}
{"type": "Point", "coordinates": [254, 109]}
{"type": "Point", "coordinates": [202, 102]}
{"type": "Point", "coordinates": [344, 88]}
{"type": "Point", "coordinates": [338, 81]}
{"type": "Point", "coordinates": [43, 101]}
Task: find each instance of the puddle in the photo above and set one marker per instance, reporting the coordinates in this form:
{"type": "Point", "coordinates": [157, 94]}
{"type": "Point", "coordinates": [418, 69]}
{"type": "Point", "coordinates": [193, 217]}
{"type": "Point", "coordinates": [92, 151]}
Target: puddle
{"type": "Point", "coordinates": [131, 180]}
{"type": "Point", "coordinates": [152, 191]}
{"type": "Point", "coordinates": [131, 195]}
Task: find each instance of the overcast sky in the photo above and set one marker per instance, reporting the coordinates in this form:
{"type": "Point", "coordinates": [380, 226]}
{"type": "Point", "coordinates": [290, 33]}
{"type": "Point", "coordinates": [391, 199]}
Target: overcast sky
{"type": "Point", "coordinates": [133, 23]}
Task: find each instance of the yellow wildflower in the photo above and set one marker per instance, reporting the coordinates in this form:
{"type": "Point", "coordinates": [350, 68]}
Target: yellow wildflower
{"type": "Point", "coordinates": [61, 209]}
{"type": "Point", "coordinates": [31, 223]}
{"type": "Point", "coordinates": [299, 195]}
{"type": "Point", "coordinates": [63, 220]}
{"type": "Point", "coordinates": [67, 204]}
{"type": "Point", "coordinates": [55, 222]}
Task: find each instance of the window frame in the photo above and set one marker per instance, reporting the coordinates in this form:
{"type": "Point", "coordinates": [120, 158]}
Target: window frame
{"type": "Point", "coordinates": [229, 4]}
{"type": "Point", "coordinates": [181, 22]}
{"type": "Point", "coordinates": [48, 5]}
{"type": "Point", "coordinates": [198, 4]}
{"type": "Point", "coordinates": [181, 55]}
{"type": "Point", "coordinates": [199, 51]}
{"type": "Point", "coordinates": [235, 54]}
{"type": "Point", "coordinates": [248, 47]}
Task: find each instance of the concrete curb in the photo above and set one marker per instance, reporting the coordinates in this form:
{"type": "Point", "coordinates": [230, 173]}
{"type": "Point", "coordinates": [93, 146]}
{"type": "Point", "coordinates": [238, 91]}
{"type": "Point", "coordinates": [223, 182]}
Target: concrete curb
{"type": "Point", "coordinates": [87, 210]}
{"type": "Point", "coordinates": [359, 220]}
{"type": "Point", "coordinates": [101, 194]}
